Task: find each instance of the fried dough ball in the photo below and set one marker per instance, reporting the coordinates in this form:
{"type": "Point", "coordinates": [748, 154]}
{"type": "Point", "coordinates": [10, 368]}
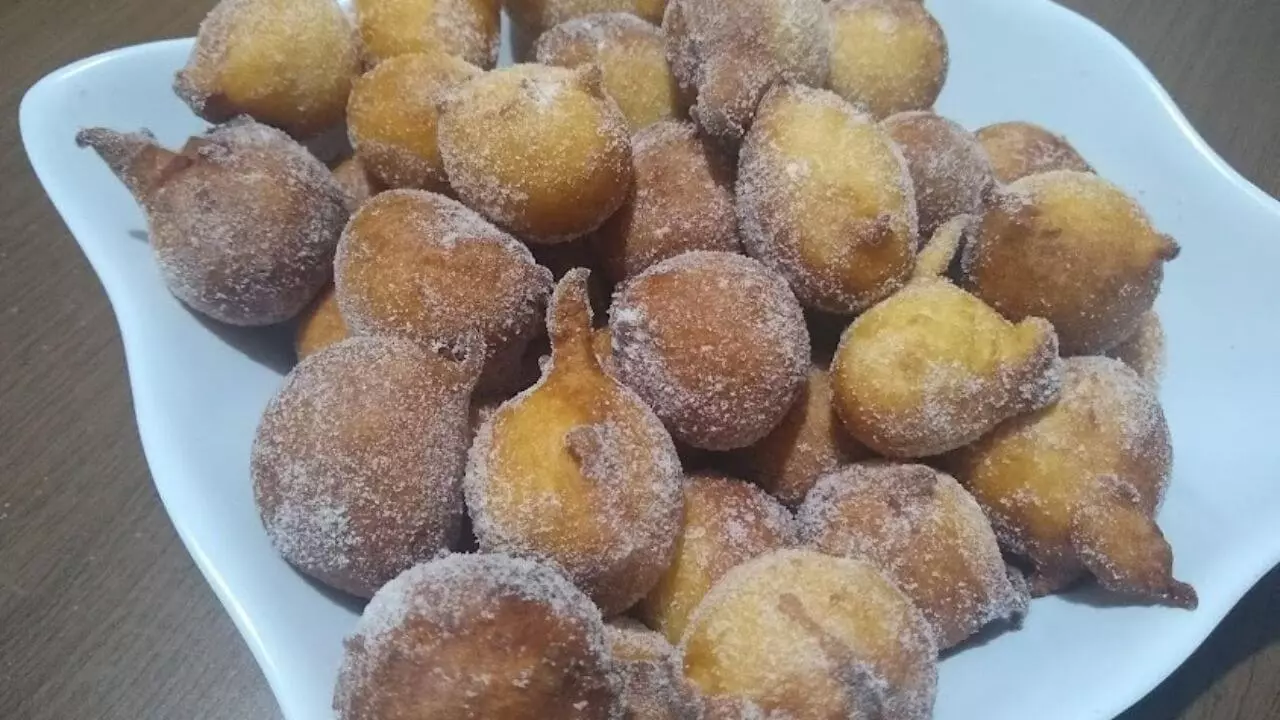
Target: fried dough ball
{"type": "Point", "coordinates": [949, 169]}
{"type": "Point", "coordinates": [653, 687]}
{"type": "Point", "coordinates": [631, 54]}
{"type": "Point", "coordinates": [725, 56]}
{"type": "Point", "coordinates": [1019, 149]}
{"type": "Point", "coordinates": [824, 197]}
{"type": "Point", "coordinates": [541, 151]}
{"type": "Point", "coordinates": [392, 116]}
{"type": "Point", "coordinates": [243, 221]}
{"type": "Point", "coordinates": [478, 636]}
{"type": "Point", "coordinates": [531, 18]}
{"type": "Point", "coordinates": [926, 534]}
{"type": "Point", "coordinates": [357, 464]}
{"type": "Point", "coordinates": [809, 443]}
{"type": "Point", "coordinates": [803, 635]}
{"type": "Point", "coordinates": [408, 264]}
{"type": "Point", "coordinates": [726, 523]}
{"type": "Point", "coordinates": [467, 29]}
{"type": "Point", "coordinates": [354, 180]}
{"type": "Point", "coordinates": [577, 470]}
{"type": "Point", "coordinates": [1074, 249]}
{"type": "Point", "coordinates": [1074, 488]}
{"type": "Point", "coordinates": [682, 201]}
{"type": "Point", "coordinates": [320, 325]}
{"type": "Point", "coordinates": [887, 56]}
{"type": "Point", "coordinates": [1144, 350]}
{"type": "Point", "coordinates": [287, 63]}
{"type": "Point", "coordinates": [715, 343]}
{"type": "Point", "coordinates": [938, 256]}
{"type": "Point", "coordinates": [932, 368]}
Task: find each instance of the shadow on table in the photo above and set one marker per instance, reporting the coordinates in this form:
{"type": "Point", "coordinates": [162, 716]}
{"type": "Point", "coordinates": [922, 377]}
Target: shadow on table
{"type": "Point", "coordinates": [1253, 625]}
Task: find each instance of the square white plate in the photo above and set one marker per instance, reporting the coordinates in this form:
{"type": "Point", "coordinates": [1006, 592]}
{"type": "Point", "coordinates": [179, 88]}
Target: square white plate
{"type": "Point", "coordinates": [199, 388]}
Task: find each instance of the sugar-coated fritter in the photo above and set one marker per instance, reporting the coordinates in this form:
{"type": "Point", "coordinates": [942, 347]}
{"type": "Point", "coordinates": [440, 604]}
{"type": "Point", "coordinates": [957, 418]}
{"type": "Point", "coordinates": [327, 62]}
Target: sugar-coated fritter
{"type": "Point", "coordinates": [577, 470]}
{"type": "Point", "coordinates": [932, 369]}
{"type": "Point", "coordinates": [243, 221]}
{"type": "Point", "coordinates": [1074, 488]}
{"type": "Point", "coordinates": [1073, 249]}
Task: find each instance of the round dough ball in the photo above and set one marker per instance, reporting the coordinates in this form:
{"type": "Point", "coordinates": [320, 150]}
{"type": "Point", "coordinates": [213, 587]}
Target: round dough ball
{"type": "Point", "coordinates": [407, 265]}
{"type": "Point", "coordinates": [357, 463]}
{"type": "Point", "coordinates": [949, 169]}
{"type": "Point", "coordinates": [531, 18]}
{"type": "Point", "coordinates": [478, 636]}
{"type": "Point", "coordinates": [824, 197]}
{"type": "Point", "coordinates": [631, 54]}
{"type": "Point", "coordinates": [653, 687]}
{"type": "Point", "coordinates": [726, 523]}
{"type": "Point", "coordinates": [715, 343]}
{"type": "Point", "coordinates": [932, 369]}
{"type": "Point", "coordinates": [467, 29]}
{"type": "Point", "coordinates": [355, 182]}
{"type": "Point", "coordinates": [809, 443]}
{"type": "Point", "coordinates": [577, 470]}
{"type": "Point", "coordinates": [320, 325]}
{"type": "Point", "coordinates": [803, 635]}
{"type": "Point", "coordinates": [926, 534]}
{"type": "Point", "coordinates": [1019, 149]}
{"type": "Point", "coordinates": [682, 201]}
{"type": "Point", "coordinates": [243, 221]}
{"type": "Point", "coordinates": [1074, 488]}
{"type": "Point", "coordinates": [541, 151]}
{"type": "Point", "coordinates": [726, 55]}
{"type": "Point", "coordinates": [1144, 350]}
{"type": "Point", "coordinates": [1074, 249]}
{"type": "Point", "coordinates": [287, 63]}
{"type": "Point", "coordinates": [887, 56]}
{"type": "Point", "coordinates": [391, 118]}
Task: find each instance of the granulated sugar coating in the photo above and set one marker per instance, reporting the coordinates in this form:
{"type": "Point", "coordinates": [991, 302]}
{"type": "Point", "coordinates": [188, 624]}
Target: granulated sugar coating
{"type": "Point", "coordinates": [949, 169]}
{"type": "Point", "coordinates": [653, 684]}
{"type": "Point", "coordinates": [631, 54]}
{"type": "Point", "coordinates": [392, 116]}
{"type": "Point", "coordinates": [287, 63]}
{"type": "Point", "coordinates": [804, 635]}
{"type": "Point", "coordinates": [357, 463]}
{"type": "Point", "coordinates": [887, 56]}
{"type": "Point", "coordinates": [408, 265]}
{"type": "Point", "coordinates": [478, 637]}
{"type": "Point", "coordinates": [715, 343]}
{"type": "Point", "coordinates": [542, 151]}
{"type": "Point", "coordinates": [928, 535]}
{"type": "Point", "coordinates": [243, 221]}
{"type": "Point", "coordinates": [726, 55]}
{"type": "Point", "coordinates": [1075, 486]}
{"type": "Point", "coordinates": [577, 470]}
{"type": "Point", "coordinates": [1019, 149]}
{"type": "Point", "coordinates": [932, 369]}
{"type": "Point", "coordinates": [809, 443]}
{"type": "Point", "coordinates": [824, 198]}
{"type": "Point", "coordinates": [1144, 350]}
{"type": "Point", "coordinates": [682, 201]}
{"type": "Point", "coordinates": [467, 29]}
{"type": "Point", "coordinates": [1073, 249]}
{"type": "Point", "coordinates": [726, 523]}
{"type": "Point", "coordinates": [939, 256]}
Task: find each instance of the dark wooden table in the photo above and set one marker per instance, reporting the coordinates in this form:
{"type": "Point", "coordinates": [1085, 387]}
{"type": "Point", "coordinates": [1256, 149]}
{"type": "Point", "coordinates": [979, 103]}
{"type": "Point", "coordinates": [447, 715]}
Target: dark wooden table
{"type": "Point", "coordinates": [103, 614]}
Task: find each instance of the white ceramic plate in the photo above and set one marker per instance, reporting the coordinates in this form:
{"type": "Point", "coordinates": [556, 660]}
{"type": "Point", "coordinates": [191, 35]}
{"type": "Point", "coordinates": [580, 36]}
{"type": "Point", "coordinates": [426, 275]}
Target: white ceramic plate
{"type": "Point", "coordinates": [199, 388]}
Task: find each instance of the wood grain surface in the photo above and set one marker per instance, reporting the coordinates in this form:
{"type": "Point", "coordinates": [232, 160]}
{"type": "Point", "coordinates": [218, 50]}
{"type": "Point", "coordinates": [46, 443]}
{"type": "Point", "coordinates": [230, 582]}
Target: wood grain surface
{"type": "Point", "coordinates": [103, 614]}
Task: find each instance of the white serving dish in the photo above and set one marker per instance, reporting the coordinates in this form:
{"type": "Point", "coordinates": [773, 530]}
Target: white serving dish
{"type": "Point", "coordinates": [199, 388]}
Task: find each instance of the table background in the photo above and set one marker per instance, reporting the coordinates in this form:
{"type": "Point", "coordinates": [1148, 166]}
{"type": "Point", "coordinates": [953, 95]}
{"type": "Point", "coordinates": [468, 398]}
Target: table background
{"type": "Point", "coordinates": [103, 614]}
